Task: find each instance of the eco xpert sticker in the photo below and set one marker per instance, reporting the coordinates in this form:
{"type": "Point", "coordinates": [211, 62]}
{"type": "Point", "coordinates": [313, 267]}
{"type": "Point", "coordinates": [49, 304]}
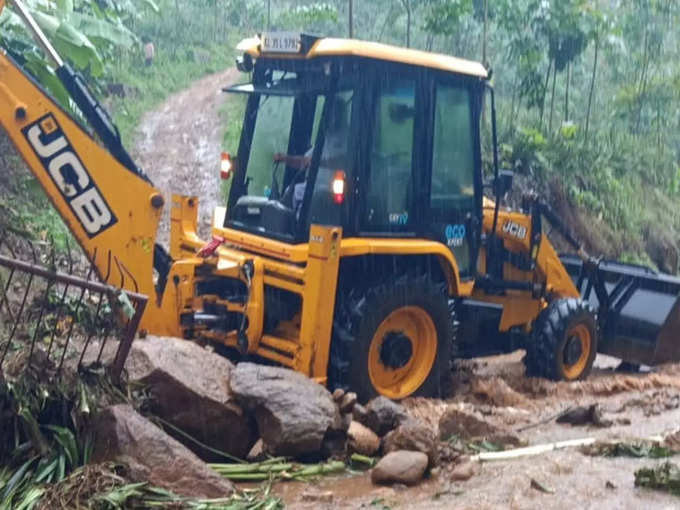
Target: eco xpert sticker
{"type": "Point", "coordinates": [455, 235]}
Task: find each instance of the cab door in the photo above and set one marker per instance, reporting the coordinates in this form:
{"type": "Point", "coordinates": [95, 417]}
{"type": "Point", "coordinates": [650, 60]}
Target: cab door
{"type": "Point", "coordinates": [455, 184]}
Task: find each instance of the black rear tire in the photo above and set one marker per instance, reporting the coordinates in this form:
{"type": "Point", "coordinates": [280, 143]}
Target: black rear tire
{"type": "Point", "coordinates": [564, 341]}
{"type": "Point", "coordinates": [360, 312]}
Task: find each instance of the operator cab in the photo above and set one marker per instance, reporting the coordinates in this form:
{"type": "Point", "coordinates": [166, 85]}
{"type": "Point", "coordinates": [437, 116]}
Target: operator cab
{"type": "Point", "coordinates": [379, 140]}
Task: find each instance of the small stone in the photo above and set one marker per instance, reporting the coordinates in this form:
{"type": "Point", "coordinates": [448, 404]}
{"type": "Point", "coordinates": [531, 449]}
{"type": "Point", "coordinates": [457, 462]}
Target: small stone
{"type": "Point", "coordinates": [383, 415]}
{"type": "Point", "coordinates": [312, 496]}
{"type": "Point", "coordinates": [347, 402]}
{"type": "Point", "coordinates": [338, 394]}
{"type": "Point", "coordinates": [257, 452]}
{"type": "Point", "coordinates": [415, 436]}
{"type": "Point", "coordinates": [400, 467]}
{"type": "Point", "coordinates": [360, 414]}
{"type": "Point", "coordinates": [463, 471]}
{"type": "Point", "coordinates": [362, 440]}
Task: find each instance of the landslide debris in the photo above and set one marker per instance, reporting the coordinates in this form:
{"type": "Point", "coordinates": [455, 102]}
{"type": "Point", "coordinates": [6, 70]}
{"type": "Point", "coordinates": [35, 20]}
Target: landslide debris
{"type": "Point", "coordinates": [189, 388]}
{"type": "Point", "coordinates": [294, 414]}
{"type": "Point", "coordinates": [124, 436]}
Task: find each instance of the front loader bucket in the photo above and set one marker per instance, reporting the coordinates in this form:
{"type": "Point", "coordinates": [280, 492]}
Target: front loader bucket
{"type": "Point", "coordinates": [640, 319]}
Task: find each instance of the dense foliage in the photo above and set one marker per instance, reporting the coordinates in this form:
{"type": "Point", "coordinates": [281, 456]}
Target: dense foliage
{"type": "Point", "coordinates": [589, 90]}
{"type": "Point", "coordinates": [589, 97]}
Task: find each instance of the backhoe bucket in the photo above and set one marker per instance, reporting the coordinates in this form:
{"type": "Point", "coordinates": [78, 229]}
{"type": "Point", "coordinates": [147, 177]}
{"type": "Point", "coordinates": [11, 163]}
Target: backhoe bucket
{"type": "Point", "coordinates": [639, 310]}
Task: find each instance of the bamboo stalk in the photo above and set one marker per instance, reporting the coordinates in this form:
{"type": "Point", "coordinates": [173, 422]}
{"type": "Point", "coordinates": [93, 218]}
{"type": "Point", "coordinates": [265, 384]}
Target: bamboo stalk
{"type": "Point", "coordinates": [532, 450]}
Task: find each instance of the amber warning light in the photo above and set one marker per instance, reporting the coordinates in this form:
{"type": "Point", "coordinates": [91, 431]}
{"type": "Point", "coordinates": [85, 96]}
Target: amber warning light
{"type": "Point", "coordinates": [226, 166]}
{"type": "Point", "coordinates": [338, 187]}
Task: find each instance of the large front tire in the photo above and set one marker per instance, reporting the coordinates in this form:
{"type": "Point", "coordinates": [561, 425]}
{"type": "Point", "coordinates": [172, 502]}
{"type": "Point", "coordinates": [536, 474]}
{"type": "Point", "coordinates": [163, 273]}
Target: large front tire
{"type": "Point", "coordinates": [393, 339]}
{"type": "Point", "coordinates": [564, 341]}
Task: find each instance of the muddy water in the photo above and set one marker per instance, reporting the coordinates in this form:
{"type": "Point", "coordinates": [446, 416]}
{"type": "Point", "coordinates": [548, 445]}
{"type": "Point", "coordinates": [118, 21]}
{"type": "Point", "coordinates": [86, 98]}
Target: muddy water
{"type": "Point", "coordinates": [640, 405]}
{"type": "Point", "coordinates": [179, 146]}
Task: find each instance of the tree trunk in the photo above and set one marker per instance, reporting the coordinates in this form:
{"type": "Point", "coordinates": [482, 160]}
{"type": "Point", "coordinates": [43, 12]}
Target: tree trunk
{"type": "Point", "coordinates": [351, 20]}
{"type": "Point", "coordinates": [269, 14]}
{"type": "Point", "coordinates": [486, 25]}
{"type": "Point", "coordinates": [552, 99]}
{"type": "Point", "coordinates": [545, 90]}
{"type": "Point", "coordinates": [592, 88]}
{"type": "Point", "coordinates": [566, 94]}
{"type": "Point", "coordinates": [408, 27]}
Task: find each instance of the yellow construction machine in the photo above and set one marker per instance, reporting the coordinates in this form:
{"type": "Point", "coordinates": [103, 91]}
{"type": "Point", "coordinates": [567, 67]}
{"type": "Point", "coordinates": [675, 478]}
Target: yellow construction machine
{"type": "Point", "coordinates": [357, 245]}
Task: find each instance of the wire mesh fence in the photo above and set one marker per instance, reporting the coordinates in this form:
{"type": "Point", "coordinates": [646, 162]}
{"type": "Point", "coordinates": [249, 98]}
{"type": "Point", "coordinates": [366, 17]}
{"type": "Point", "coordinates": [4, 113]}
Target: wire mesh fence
{"type": "Point", "coordinates": [55, 311]}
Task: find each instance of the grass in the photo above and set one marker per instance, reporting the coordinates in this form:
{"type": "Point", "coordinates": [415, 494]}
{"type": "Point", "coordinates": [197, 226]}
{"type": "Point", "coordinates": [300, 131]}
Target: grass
{"type": "Point", "coordinates": [231, 114]}
{"type": "Point", "coordinates": [148, 87]}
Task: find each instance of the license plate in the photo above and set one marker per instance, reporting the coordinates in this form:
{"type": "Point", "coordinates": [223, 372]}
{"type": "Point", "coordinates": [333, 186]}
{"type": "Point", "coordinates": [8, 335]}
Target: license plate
{"type": "Point", "coordinates": [281, 42]}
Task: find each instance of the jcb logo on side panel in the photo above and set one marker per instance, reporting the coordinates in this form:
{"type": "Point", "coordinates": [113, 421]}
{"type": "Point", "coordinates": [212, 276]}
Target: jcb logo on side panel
{"type": "Point", "coordinates": [69, 175]}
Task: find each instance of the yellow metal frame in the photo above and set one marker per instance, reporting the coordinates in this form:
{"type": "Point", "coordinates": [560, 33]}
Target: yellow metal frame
{"type": "Point", "coordinates": [331, 47]}
{"type": "Point", "coordinates": [520, 308]}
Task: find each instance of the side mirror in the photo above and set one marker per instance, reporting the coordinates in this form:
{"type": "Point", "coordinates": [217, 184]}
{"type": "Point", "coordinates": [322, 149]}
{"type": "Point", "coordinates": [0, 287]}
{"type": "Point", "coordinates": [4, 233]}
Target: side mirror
{"type": "Point", "coordinates": [505, 180]}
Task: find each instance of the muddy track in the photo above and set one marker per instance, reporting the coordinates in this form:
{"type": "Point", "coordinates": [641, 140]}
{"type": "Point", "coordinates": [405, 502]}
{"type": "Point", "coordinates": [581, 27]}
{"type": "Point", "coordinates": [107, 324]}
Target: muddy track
{"type": "Point", "coordinates": [179, 146]}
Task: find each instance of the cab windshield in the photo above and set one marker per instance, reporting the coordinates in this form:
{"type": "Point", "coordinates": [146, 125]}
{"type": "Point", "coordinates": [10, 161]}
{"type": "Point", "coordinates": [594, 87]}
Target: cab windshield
{"type": "Point", "coordinates": [287, 161]}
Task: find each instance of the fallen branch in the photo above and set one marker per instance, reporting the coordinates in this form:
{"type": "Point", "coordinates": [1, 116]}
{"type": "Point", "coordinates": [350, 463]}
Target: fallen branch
{"type": "Point", "coordinates": [544, 421]}
{"type": "Point", "coordinates": [532, 450]}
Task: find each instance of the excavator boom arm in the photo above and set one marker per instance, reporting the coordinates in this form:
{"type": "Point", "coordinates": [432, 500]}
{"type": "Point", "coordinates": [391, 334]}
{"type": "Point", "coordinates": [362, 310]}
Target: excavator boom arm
{"type": "Point", "coordinates": [112, 210]}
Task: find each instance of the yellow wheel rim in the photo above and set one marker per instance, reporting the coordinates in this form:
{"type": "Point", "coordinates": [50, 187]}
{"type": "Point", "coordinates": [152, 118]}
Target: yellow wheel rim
{"type": "Point", "coordinates": [402, 352]}
{"type": "Point", "coordinates": [581, 335]}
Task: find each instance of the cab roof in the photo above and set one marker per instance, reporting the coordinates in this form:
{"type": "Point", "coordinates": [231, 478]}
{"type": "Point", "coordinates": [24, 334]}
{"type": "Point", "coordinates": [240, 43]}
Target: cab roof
{"type": "Point", "coordinates": [332, 47]}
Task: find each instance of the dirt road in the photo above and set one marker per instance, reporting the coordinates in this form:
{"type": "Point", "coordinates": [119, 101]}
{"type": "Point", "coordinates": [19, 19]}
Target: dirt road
{"type": "Point", "coordinates": [179, 146]}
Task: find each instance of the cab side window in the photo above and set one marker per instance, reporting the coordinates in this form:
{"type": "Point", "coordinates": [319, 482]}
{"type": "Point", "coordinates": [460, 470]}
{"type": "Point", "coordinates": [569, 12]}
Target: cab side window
{"type": "Point", "coordinates": [453, 163]}
{"type": "Point", "coordinates": [389, 192]}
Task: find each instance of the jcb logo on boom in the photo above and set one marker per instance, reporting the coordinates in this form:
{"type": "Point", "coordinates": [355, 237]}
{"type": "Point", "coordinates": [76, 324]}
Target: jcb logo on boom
{"type": "Point", "coordinates": [69, 175]}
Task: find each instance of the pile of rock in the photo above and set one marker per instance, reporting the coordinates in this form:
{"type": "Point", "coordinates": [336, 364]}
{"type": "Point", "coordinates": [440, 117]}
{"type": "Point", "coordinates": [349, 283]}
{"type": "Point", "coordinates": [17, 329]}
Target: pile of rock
{"type": "Point", "coordinates": [212, 407]}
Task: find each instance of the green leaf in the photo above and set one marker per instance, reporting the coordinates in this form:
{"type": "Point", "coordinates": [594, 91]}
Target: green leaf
{"type": "Point", "coordinates": [65, 6]}
{"type": "Point", "coordinates": [152, 5]}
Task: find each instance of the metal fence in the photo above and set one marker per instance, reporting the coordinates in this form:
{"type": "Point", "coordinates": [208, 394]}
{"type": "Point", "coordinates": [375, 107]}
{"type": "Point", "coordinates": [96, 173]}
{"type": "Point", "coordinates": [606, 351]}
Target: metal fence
{"type": "Point", "coordinates": [55, 311]}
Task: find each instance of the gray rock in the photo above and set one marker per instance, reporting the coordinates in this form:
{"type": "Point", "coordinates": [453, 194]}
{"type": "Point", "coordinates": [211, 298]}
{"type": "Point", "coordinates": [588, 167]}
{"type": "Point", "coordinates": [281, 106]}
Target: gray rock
{"type": "Point", "coordinates": [400, 467]}
{"type": "Point", "coordinates": [347, 402]}
{"type": "Point", "coordinates": [415, 436]}
{"type": "Point", "coordinates": [189, 388]}
{"type": "Point", "coordinates": [294, 414]}
{"type": "Point", "coordinates": [382, 415]}
{"type": "Point", "coordinates": [122, 435]}
{"type": "Point", "coordinates": [362, 440]}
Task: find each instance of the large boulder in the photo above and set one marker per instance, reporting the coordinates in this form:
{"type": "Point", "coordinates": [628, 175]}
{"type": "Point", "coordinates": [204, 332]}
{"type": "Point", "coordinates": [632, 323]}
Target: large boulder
{"type": "Point", "coordinates": [400, 467]}
{"type": "Point", "coordinates": [380, 415]}
{"type": "Point", "coordinates": [123, 435]}
{"type": "Point", "coordinates": [189, 388]}
{"type": "Point", "coordinates": [415, 436]}
{"type": "Point", "coordinates": [295, 416]}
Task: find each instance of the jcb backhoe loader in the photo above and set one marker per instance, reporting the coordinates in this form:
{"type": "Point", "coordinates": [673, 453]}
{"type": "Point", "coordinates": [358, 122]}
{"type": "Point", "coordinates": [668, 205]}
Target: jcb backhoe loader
{"type": "Point", "coordinates": [357, 245]}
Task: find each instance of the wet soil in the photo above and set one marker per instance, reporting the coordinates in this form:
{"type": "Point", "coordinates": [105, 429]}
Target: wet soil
{"type": "Point", "coordinates": [179, 146]}
{"type": "Point", "coordinates": [640, 405]}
